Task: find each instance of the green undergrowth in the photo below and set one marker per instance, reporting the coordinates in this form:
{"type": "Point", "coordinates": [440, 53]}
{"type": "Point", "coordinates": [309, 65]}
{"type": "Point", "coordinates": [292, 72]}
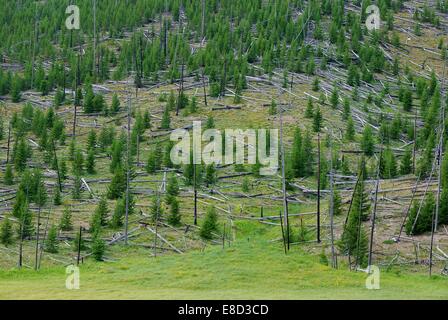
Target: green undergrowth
{"type": "Point", "coordinates": [252, 267]}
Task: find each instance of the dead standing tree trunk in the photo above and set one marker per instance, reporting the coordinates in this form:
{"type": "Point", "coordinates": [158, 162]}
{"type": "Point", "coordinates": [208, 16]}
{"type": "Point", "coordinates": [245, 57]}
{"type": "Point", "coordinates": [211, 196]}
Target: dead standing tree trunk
{"type": "Point", "coordinates": [334, 262]}
{"type": "Point", "coordinates": [285, 198]}
{"type": "Point", "coordinates": [36, 262]}
{"type": "Point", "coordinates": [439, 179]}
{"type": "Point", "coordinates": [9, 143]}
{"type": "Point", "coordinates": [128, 169]}
{"type": "Point", "coordinates": [318, 188]}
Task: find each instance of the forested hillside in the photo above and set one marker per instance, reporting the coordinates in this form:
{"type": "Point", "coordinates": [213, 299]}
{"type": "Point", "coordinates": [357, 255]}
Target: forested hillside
{"type": "Point", "coordinates": [86, 117]}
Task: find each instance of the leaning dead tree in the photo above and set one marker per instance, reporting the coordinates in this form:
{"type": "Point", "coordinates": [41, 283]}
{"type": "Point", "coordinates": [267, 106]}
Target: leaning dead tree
{"type": "Point", "coordinates": [373, 217]}
{"type": "Point", "coordinates": [195, 194]}
{"type": "Point", "coordinates": [439, 157]}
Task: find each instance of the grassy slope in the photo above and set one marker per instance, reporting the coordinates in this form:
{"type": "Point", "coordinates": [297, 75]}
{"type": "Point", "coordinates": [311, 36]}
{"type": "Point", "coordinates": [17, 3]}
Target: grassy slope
{"type": "Point", "coordinates": [250, 269]}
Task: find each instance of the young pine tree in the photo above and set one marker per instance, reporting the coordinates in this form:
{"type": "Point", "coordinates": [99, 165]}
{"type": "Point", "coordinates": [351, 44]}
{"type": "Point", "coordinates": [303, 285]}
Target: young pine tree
{"type": "Point", "coordinates": [193, 106]}
{"type": "Point", "coordinates": [189, 170]}
{"type": "Point", "coordinates": [425, 162]}
{"type": "Point", "coordinates": [118, 184]}
{"type": "Point", "coordinates": [337, 204]}
{"type": "Point", "coordinates": [334, 99]}
{"type": "Point", "coordinates": [76, 192]}
{"type": "Point", "coordinates": [361, 199]}
{"type": "Point", "coordinates": [21, 155]}
{"type": "Point", "coordinates": [91, 140]}
{"type": "Point", "coordinates": [6, 233]}
{"type": "Point", "coordinates": [72, 150]}
{"type": "Point", "coordinates": [317, 120]}
{"type": "Point", "coordinates": [90, 165]}
{"type": "Point", "coordinates": [245, 186]}
{"type": "Point", "coordinates": [58, 99]}
{"type": "Point", "coordinates": [51, 244]}
{"type": "Point", "coordinates": [66, 220]}
{"type": "Point", "coordinates": [354, 241]}
{"type": "Point", "coordinates": [171, 105]}
{"type": "Point", "coordinates": [345, 166]}
{"type": "Point", "coordinates": [98, 246]}
{"type": "Point", "coordinates": [117, 150]}
{"type": "Point", "coordinates": [57, 201]}
{"type": "Point", "coordinates": [368, 142]}
{"type": "Point", "coordinates": [95, 222]}
{"type": "Point", "coordinates": [8, 178]}
{"type": "Point", "coordinates": [210, 175]}
{"type": "Point", "coordinates": [78, 97]}
{"type": "Point", "coordinates": [20, 201]}
{"type": "Point", "coordinates": [406, 163]}
{"type": "Point", "coordinates": [273, 108]}
{"type": "Point", "coordinates": [26, 227]}
{"type": "Point", "coordinates": [147, 120]}
{"type": "Point", "coordinates": [78, 163]}
{"type": "Point", "coordinates": [350, 130]}
{"type": "Point", "coordinates": [174, 217]}
{"type": "Point", "coordinates": [407, 100]}
{"type": "Point", "coordinates": [347, 110]}
{"type": "Point", "coordinates": [156, 208]}
{"type": "Point", "coordinates": [115, 106]}
{"type": "Point", "coordinates": [89, 106]}
{"type": "Point", "coordinates": [424, 219]}
{"type": "Point", "coordinates": [210, 224]}
{"type": "Point", "coordinates": [309, 112]}
{"type": "Point", "coordinates": [308, 155]}
{"type": "Point", "coordinates": [323, 259]}
{"type": "Point", "coordinates": [153, 162]}
{"type": "Point", "coordinates": [166, 119]}
{"type": "Point", "coordinates": [102, 211]}
{"type": "Point", "coordinates": [316, 84]}
{"type": "Point", "coordinates": [210, 124]}
{"type": "Point", "coordinates": [388, 164]}
{"type": "Point", "coordinates": [119, 212]}
{"type": "Point", "coordinates": [63, 170]}
{"type": "Point", "coordinates": [173, 187]}
{"type": "Point", "coordinates": [166, 161]}
{"type": "Point", "coordinates": [16, 89]}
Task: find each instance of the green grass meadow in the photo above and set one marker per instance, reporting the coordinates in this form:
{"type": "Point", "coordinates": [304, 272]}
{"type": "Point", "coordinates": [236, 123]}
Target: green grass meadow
{"type": "Point", "coordinates": [251, 268]}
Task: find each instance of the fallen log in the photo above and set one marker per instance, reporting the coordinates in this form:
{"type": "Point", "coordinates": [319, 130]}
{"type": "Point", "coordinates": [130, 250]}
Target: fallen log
{"type": "Point", "coordinates": [164, 240]}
